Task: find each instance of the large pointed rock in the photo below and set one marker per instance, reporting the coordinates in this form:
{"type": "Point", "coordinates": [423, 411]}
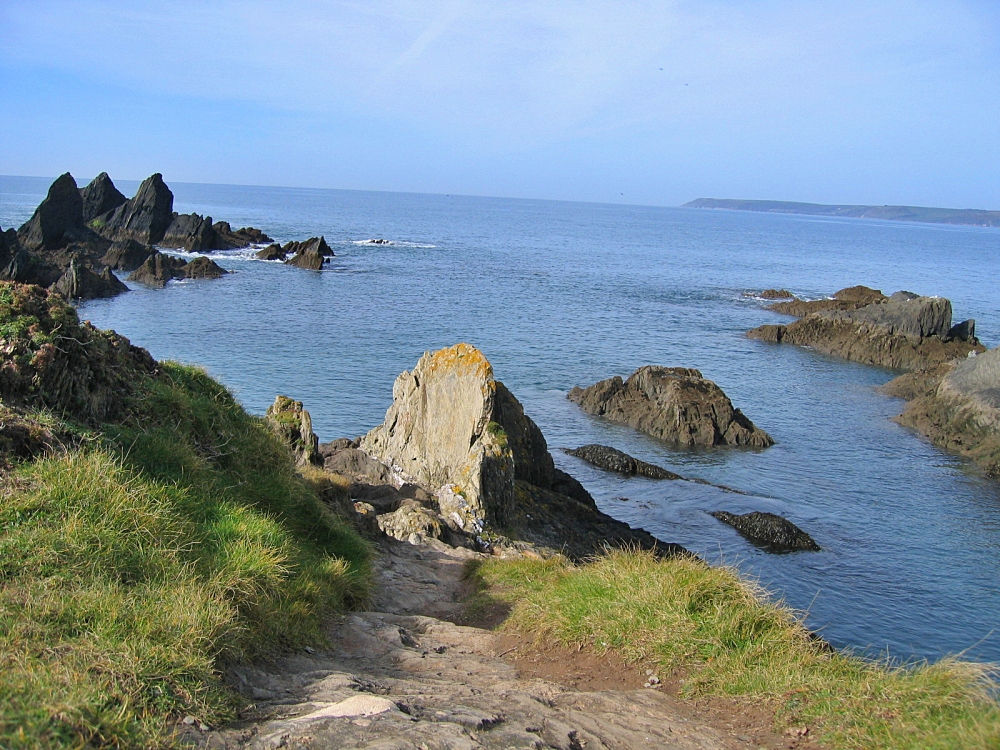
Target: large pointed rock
{"type": "Point", "coordinates": [79, 282]}
{"type": "Point", "coordinates": [126, 255]}
{"type": "Point", "coordinates": [158, 269]}
{"type": "Point", "coordinates": [675, 404]}
{"type": "Point", "coordinates": [58, 217]}
{"type": "Point", "coordinates": [310, 254]}
{"type": "Point", "coordinates": [100, 197]}
{"type": "Point", "coordinates": [145, 217]}
{"type": "Point", "coordinates": [191, 232]}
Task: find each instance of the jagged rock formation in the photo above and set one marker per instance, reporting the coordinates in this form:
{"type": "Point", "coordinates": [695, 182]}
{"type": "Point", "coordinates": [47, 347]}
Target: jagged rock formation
{"type": "Point", "coordinates": [58, 220]}
{"type": "Point", "coordinates": [310, 254]}
{"type": "Point", "coordinates": [203, 268]}
{"type": "Point", "coordinates": [144, 217]}
{"type": "Point", "coordinates": [777, 294]}
{"type": "Point", "coordinates": [675, 404]}
{"type": "Point", "coordinates": [271, 252]}
{"type": "Point", "coordinates": [158, 269]}
{"type": "Point", "coordinates": [769, 531]}
{"type": "Point", "coordinates": [462, 437]}
{"type": "Point", "coordinates": [293, 425]}
{"type": "Point", "coordinates": [850, 298]}
{"type": "Point", "coordinates": [197, 234]}
{"type": "Point", "coordinates": [611, 459]}
{"type": "Point", "coordinates": [956, 405]}
{"type": "Point", "coordinates": [58, 363]}
{"type": "Point", "coordinates": [902, 332]}
{"type": "Point", "coordinates": [78, 282]}
{"type": "Point", "coordinates": [228, 238]}
{"type": "Point", "coordinates": [126, 255]}
{"type": "Point", "coordinates": [100, 197]}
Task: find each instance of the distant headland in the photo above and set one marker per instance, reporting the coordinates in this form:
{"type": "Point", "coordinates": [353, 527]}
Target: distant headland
{"type": "Point", "coordinates": [965, 216]}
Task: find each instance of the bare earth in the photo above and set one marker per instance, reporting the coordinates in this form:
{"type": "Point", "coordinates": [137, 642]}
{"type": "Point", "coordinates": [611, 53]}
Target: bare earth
{"type": "Point", "coordinates": [407, 677]}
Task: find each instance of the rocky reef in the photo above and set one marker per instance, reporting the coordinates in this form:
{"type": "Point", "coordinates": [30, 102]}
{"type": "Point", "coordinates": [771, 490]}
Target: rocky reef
{"type": "Point", "coordinates": [458, 461]}
{"type": "Point", "coordinates": [769, 531]}
{"type": "Point", "coordinates": [676, 404]}
{"type": "Point", "coordinates": [904, 331]}
{"type": "Point", "coordinates": [612, 459]}
{"type": "Point", "coordinates": [957, 405]}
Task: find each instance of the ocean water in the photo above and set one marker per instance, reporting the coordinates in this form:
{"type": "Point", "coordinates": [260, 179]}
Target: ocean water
{"type": "Point", "coordinates": [562, 294]}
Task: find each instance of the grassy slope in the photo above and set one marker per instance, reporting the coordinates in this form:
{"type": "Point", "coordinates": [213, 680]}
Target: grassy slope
{"type": "Point", "coordinates": [729, 640]}
{"type": "Point", "coordinates": [133, 566]}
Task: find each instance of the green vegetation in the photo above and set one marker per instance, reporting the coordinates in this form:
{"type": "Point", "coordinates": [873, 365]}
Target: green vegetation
{"type": "Point", "coordinates": [136, 564]}
{"type": "Point", "coordinates": [727, 639]}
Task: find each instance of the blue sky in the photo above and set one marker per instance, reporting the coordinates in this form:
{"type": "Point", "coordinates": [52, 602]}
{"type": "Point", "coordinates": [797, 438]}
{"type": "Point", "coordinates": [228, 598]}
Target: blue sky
{"type": "Point", "coordinates": [638, 102]}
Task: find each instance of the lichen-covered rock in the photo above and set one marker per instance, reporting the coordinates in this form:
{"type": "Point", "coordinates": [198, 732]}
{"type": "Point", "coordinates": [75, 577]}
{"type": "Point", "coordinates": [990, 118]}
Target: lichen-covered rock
{"type": "Point", "coordinates": [293, 424]}
{"type": "Point", "coordinates": [81, 283]}
{"type": "Point", "coordinates": [903, 332]}
{"type": "Point", "coordinates": [158, 269]}
{"type": "Point", "coordinates": [126, 255]}
{"type": "Point", "coordinates": [100, 197]}
{"type": "Point", "coordinates": [411, 522]}
{"type": "Point", "coordinates": [48, 359]}
{"type": "Point", "coordinates": [675, 404]}
{"type": "Point", "coordinates": [611, 459]}
{"type": "Point", "coordinates": [144, 217]}
{"type": "Point", "coordinates": [956, 405]}
{"type": "Point", "coordinates": [310, 254]}
{"type": "Point", "coordinates": [769, 531]}
{"type": "Point", "coordinates": [203, 268]}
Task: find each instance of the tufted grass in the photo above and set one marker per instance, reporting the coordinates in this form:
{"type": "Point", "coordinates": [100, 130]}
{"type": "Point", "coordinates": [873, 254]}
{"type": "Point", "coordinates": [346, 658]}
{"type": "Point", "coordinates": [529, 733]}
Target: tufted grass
{"type": "Point", "coordinates": [728, 639]}
{"type": "Point", "coordinates": [135, 567]}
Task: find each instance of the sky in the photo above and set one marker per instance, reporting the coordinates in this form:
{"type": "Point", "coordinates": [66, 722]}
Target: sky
{"type": "Point", "coordinates": [652, 103]}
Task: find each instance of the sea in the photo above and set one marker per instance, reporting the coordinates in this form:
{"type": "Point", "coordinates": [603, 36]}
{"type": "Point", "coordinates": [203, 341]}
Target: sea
{"type": "Point", "coordinates": [558, 294]}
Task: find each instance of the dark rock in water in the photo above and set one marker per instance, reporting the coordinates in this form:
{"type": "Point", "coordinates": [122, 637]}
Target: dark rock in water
{"type": "Point", "coordinates": [100, 197]}
{"type": "Point", "coordinates": [611, 459]}
{"type": "Point", "coordinates": [26, 268]}
{"type": "Point", "coordinates": [901, 333]}
{"type": "Point", "coordinates": [81, 283]}
{"type": "Point", "coordinates": [56, 362]}
{"type": "Point", "coordinates": [770, 531]}
{"type": "Point", "coordinates": [204, 268]}
{"type": "Point", "coordinates": [144, 217]}
{"type": "Point", "coordinates": [126, 255]}
{"type": "Point", "coordinates": [158, 269]}
{"type": "Point", "coordinates": [230, 239]}
{"type": "Point", "coordinates": [58, 215]}
{"type": "Point", "coordinates": [902, 296]}
{"type": "Point", "coordinates": [564, 484]}
{"type": "Point", "coordinates": [964, 331]}
{"type": "Point", "coordinates": [191, 232]}
{"type": "Point", "coordinates": [845, 299]}
{"type": "Point", "coordinates": [310, 254]}
{"type": "Point", "coordinates": [776, 294]}
{"type": "Point", "coordinates": [293, 425]}
{"type": "Point", "coordinates": [675, 404]}
{"type": "Point", "coordinates": [271, 252]}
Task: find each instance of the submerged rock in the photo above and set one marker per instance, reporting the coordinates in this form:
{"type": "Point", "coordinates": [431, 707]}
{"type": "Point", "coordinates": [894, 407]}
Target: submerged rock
{"type": "Point", "coordinates": [769, 531]}
{"type": "Point", "coordinates": [100, 197]}
{"type": "Point", "coordinates": [293, 425]}
{"type": "Point", "coordinates": [158, 269]}
{"type": "Point", "coordinates": [145, 217]}
{"type": "Point", "coordinates": [957, 406]}
{"type": "Point", "coordinates": [902, 332]}
{"type": "Point", "coordinates": [310, 254]}
{"type": "Point", "coordinates": [675, 404]}
{"type": "Point", "coordinates": [81, 283]}
{"type": "Point", "coordinates": [611, 459]}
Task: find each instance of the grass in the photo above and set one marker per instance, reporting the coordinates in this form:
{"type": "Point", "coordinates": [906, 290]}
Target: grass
{"type": "Point", "coordinates": [729, 640]}
{"type": "Point", "coordinates": [135, 566]}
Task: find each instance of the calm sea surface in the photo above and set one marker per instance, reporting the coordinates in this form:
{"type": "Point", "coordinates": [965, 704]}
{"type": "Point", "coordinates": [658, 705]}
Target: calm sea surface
{"type": "Point", "coordinates": [563, 294]}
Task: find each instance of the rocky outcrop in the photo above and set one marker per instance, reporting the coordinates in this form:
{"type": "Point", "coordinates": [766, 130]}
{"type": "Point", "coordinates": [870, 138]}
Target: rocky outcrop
{"type": "Point", "coordinates": [310, 254]}
{"type": "Point", "coordinates": [226, 238]}
{"type": "Point", "coordinates": [957, 406]}
{"type": "Point", "coordinates": [203, 268]}
{"type": "Point", "coordinates": [850, 298]}
{"type": "Point", "coordinates": [271, 252]}
{"type": "Point", "coordinates": [460, 435]}
{"type": "Point", "coordinates": [126, 255]}
{"type": "Point", "coordinates": [776, 294]}
{"type": "Point", "coordinates": [60, 364]}
{"type": "Point", "coordinates": [100, 197]}
{"type": "Point", "coordinates": [189, 232]}
{"type": "Point", "coordinates": [769, 531]}
{"type": "Point", "coordinates": [81, 283]}
{"type": "Point", "coordinates": [58, 220]}
{"type": "Point", "coordinates": [675, 404]}
{"type": "Point", "coordinates": [145, 217]}
{"type": "Point", "coordinates": [293, 425]}
{"type": "Point", "coordinates": [610, 459]}
{"type": "Point", "coordinates": [903, 332]}
{"type": "Point", "coordinates": [158, 269]}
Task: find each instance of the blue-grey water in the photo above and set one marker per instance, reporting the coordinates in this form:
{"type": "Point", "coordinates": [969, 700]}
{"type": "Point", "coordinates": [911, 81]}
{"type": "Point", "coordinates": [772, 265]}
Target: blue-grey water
{"type": "Point", "coordinates": [562, 294]}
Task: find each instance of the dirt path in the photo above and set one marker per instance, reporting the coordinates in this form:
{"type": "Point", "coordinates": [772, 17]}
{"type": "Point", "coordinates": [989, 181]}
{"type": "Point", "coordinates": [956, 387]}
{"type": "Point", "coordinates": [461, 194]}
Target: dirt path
{"type": "Point", "coordinates": [406, 677]}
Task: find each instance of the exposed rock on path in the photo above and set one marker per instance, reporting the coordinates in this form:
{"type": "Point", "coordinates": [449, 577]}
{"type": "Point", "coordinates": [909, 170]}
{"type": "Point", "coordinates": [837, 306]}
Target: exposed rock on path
{"type": "Point", "coordinates": [675, 404]}
{"type": "Point", "coordinates": [611, 459]}
{"type": "Point", "coordinates": [769, 531]}
{"type": "Point", "coordinates": [404, 677]}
